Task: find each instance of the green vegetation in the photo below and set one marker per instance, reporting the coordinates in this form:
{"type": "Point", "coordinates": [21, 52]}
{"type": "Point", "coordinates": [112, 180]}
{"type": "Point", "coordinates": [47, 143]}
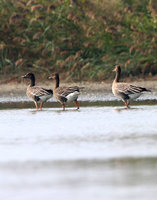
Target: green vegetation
{"type": "Point", "coordinates": [81, 39]}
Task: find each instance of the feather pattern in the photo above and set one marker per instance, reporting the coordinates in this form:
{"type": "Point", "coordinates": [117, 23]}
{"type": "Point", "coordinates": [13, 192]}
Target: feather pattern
{"type": "Point", "coordinates": [129, 89]}
{"type": "Point", "coordinates": [65, 94]}
{"type": "Point", "coordinates": [125, 91]}
{"type": "Point", "coordinates": [39, 94]}
{"type": "Point", "coordinates": [65, 91]}
{"type": "Point", "coordinates": [36, 93]}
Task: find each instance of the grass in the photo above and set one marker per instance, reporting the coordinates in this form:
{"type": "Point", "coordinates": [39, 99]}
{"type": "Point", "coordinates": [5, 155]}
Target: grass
{"type": "Point", "coordinates": [81, 39]}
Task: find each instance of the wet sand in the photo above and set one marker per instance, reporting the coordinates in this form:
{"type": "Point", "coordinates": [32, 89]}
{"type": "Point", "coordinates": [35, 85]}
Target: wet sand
{"type": "Point", "coordinates": [91, 87]}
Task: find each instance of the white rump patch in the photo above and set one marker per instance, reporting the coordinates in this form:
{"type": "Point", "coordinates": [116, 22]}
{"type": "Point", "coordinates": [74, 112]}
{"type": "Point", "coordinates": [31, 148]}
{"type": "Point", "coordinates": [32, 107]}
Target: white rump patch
{"type": "Point", "coordinates": [44, 98]}
{"type": "Point", "coordinates": [134, 96]}
{"type": "Point", "coordinates": [72, 96]}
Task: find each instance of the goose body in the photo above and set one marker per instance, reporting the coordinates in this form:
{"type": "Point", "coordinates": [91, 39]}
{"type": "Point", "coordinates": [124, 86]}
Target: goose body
{"type": "Point", "coordinates": [37, 94]}
{"type": "Point", "coordinates": [65, 94]}
{"type": "Point", "coordinates": [126, 91]}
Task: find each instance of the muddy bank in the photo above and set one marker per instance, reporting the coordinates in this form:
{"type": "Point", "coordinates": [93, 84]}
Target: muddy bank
{"type": "Point", "coordinates": [89, 87]}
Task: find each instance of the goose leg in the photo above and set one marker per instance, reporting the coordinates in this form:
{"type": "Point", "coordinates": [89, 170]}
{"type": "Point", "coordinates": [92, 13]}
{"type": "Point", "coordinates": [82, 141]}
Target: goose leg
{"type": "Point", "coordinates": [41, 105]}
{"type": "Point", "coordinates": [127, 104]}
{"type": "Point", "coordinates": [77, 104]}
{"type": "Point", "coordinates": [63, 106]}
{"type": "Point", "coordinates": [36, 105]}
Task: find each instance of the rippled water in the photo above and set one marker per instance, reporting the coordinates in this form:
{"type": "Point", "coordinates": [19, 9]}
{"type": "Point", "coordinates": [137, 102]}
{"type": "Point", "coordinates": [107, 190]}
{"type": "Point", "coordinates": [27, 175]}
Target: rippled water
{"type": "Point", "coordinates": [99, 152]}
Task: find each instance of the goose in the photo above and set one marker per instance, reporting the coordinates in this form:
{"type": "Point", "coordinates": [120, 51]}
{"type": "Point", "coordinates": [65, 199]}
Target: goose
{"type": "Point", "coordinates": [125, 91]}
{"type": "Point", "coordinates": [37, 94]}
{"type": "Point", "coordinates": [65, 94]}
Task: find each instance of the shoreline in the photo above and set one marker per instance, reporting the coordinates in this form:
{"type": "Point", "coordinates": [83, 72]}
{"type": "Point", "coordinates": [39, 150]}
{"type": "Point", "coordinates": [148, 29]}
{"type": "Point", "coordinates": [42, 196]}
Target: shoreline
{"type": "Point", "coordinates": [89, 87]}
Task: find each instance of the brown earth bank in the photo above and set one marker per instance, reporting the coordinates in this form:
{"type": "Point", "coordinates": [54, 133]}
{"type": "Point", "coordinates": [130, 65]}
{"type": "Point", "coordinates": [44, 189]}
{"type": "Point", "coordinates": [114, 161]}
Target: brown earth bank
{"type": "Point", "coordinates": [13, 87]}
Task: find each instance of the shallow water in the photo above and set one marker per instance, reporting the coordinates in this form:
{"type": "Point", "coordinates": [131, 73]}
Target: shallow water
{"type": "Point", "coordinates": [99, 152]}
{"type": "Point", "coordinates": [85, 96]}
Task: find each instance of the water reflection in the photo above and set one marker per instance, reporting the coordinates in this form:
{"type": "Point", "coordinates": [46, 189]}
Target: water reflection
{"type": "Point", "coordinates": [27, 104]}
{"type": "Point", "coordinates": [131, 108]}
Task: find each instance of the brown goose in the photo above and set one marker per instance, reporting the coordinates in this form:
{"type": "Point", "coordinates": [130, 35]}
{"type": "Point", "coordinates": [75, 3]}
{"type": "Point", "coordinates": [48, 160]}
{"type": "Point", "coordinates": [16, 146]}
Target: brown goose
{"type": "Point", "coordinates": [125, 91]}
{"type": "Point", "coordinates": [65, 94]}
{"type": "Point", "coordinates": [37, 94]}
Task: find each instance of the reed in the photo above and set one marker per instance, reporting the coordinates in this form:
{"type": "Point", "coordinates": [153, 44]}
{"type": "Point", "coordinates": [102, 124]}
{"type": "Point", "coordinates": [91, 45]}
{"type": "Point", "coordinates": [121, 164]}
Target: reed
{"type": "Point", "coordinates": [81, 39]}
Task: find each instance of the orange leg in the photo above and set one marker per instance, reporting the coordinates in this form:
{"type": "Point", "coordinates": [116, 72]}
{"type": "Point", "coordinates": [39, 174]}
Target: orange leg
{"type": "Point", "coordinates": [77, 104]}
{"type": "Point", "coordinates": [41, 106]}
{"type": "Point", "coordinates": [36, 105]}
{"type": "Point", "coordinates": [127, 105]}
{"type": "Point", "coordinates": [63, 106]}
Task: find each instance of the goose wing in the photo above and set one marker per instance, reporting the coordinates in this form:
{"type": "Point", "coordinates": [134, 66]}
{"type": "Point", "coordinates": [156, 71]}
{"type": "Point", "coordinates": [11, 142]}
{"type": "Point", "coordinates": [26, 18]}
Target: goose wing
{"type": "Point", "coordinates": [38, 91]}
{"type": "Point", "coordinates": [128, 89]}
{"type": "Point", "coordinates": [65, 91]}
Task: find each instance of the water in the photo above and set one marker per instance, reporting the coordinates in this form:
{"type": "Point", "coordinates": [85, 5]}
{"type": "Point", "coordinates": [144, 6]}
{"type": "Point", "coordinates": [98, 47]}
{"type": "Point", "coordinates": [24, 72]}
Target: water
{"type": "Point", "coordinates": [85, 96]}
{"type": "Point", "coordinates": [99, 152]}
